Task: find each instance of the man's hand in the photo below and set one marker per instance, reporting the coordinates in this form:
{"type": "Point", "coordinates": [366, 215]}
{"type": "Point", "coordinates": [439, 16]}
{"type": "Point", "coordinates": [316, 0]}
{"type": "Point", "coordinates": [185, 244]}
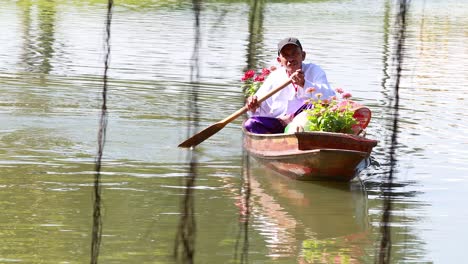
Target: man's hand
{"type": "Point", "coordinates": [298, 78]}
{"type": "Point", "coordinates": [286, 119]}
{"type": "Point", "coordinates": [252, 103]}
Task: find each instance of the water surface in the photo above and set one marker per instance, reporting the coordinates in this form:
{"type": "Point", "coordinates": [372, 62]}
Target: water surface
{"type": "Point", "coordinates": [51, 68]}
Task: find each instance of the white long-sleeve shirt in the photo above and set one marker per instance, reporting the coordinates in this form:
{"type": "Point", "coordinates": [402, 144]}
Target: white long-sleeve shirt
{"type": "Point", "coordinates": [288, 100]}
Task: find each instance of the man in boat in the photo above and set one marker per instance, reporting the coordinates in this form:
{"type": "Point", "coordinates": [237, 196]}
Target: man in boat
{"type": "Point", "coordinates": [308, 80]}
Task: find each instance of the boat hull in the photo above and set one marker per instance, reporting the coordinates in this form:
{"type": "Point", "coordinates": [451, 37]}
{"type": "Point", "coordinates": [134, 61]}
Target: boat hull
{"type": "Point", "coordinates": [311, 155]}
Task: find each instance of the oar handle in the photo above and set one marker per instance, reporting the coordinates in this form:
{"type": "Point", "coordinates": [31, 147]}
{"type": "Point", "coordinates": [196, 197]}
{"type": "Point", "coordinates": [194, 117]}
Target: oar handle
{"type": "Point", "coordinates": [244, 109]}
{"type": "Point", "coordinates": [272, 92]}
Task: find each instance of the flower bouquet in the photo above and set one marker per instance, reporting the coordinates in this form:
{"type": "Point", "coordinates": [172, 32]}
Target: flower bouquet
{"type": "Point", "coordinates": [253, 80]}
{"type": "Point", "coordinates": [331, 115]}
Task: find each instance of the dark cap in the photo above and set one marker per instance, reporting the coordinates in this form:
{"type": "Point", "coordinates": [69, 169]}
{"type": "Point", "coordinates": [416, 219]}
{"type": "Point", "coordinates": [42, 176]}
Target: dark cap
{"type": "Point", "coordinates": [287, 41]}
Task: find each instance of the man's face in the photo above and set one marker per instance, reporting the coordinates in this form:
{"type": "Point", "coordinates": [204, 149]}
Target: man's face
{"type": "Point", "coordinates": [291, 58]}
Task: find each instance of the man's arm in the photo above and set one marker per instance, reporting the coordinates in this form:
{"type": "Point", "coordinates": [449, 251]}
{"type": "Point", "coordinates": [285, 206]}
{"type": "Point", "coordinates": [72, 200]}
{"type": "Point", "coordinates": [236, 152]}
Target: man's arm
{"type": "Point", "coordinates": [317, 79]}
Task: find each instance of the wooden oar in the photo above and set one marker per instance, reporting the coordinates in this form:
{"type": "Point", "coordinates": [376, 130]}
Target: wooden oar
{"type": "Point", "coordinates": [213, 129]}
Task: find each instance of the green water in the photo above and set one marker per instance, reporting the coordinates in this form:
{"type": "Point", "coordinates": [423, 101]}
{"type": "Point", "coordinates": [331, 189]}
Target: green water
{"type": "Point", "coordinates": [51, 67]}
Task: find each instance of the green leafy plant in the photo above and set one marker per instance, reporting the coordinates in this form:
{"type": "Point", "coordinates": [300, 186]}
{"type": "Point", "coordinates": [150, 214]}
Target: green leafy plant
{"type": "Point", "coordinates": [329, 115]}
{"type": "Point", "coordinates": [253, 80]}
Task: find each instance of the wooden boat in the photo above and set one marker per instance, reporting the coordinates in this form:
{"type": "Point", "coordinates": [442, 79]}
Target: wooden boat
{"type": "Point", "coordinates": [310, 155]}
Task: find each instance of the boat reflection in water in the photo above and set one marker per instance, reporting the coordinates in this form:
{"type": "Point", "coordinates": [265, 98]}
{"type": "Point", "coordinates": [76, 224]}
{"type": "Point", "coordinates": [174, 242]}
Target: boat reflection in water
{"type": "Point", "coordinates": [316, 221]}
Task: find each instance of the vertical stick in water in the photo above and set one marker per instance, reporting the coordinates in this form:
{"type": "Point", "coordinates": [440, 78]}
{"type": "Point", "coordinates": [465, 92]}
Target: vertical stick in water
{"type": "Point", "coordinates": [256, 29]}
{"type": "Point", "coordinates": [97, 222]}
{"type": "Point", "coordinates": [244, 213]}
{"type": "Point", "coordinates": [386, 243]}
{"type": "Point", "coordinates": [185, 238]}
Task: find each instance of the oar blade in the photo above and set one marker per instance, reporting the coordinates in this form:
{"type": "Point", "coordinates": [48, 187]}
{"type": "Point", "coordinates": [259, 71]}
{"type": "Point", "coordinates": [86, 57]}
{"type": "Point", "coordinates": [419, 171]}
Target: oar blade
{"type": "Point", "coordinates": [202, 136]}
